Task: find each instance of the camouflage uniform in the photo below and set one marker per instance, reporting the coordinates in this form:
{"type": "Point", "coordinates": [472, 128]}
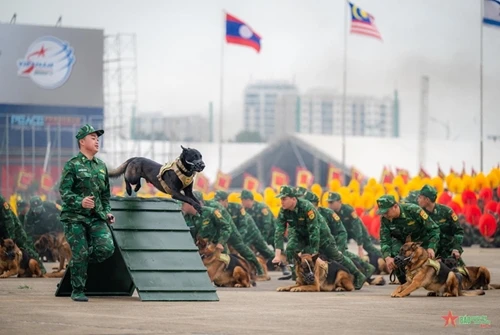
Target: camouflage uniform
{"type": "Point", "coordinates": [355, 228]}
{"type": "Point", "coordinates": [413, 221]}
{"type": "Point", "coordinates": [209, 225]}
{"type": "Point", "coordinates": [339, 232]}
{"type": "Point", "coordinates": [10, 227]}
{"type": "Point", "coordinates": [235, 240]}
{"type": "Point", "coordinates": [86, 229]}
{"type": "Point", "coordinates": [301, 191]}
{"type": "Point", "coordinates": [309, 234]}
{"type": "Point", "coordinates": [43, 217]}
{"type": "Point", "coordinates": [262, 216]}
{"type": "Point", "coordinates": [451, 232]}
{"type": "Point", "coordinates": [22, 210]}
{"type": "Point", "coordinates": [411, 198]}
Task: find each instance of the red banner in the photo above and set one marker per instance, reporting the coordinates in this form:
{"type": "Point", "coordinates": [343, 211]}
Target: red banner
{"type": "Point", "coordinates": [278, 178]}
{"type": "Point", "coordinates": [46, 183]}
{"type": "Point", "coordinates": [201, 183]}
{"type": "Point", "coordinates": [404, 174]}
{"type": "Point", "coordinates": [304, 177]}
{"type": "Point", "coordinates": [334, 173]}
{"type": "Point", "coordinates": [250, 182]}
{"type": "Point", "coordinates": [222, 182]}
{"type": "Point", "coordinates": [387, 176]}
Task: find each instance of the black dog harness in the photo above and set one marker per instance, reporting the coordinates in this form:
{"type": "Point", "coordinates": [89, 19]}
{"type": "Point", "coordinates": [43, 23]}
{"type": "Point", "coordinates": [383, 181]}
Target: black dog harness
{"type": "Point", "coordinates": [179, 170]}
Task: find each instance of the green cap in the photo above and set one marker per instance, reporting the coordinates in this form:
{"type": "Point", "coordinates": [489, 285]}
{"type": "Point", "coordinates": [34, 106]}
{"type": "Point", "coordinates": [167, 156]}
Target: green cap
{"type": "Point", "coordinates": [88, 129]}
{"type": "Point", "coordinates": [384, 203]}
{"type": "Point", "coordinates": [287, 191]}
{"type": "Point", "coordinates": [246, 194]}
{"type": "Point", "coordinates": [300, 191]}
{"type": "Point", "coordinates": [429, 192]}
{"type": "Point", "coordinates": [36, 204]}
{"type": "Point", "coordinates": [309, 196]}
{"type": "Point", "coordinates": [333, 196]}
{"type": "Point", "coordinates": [198, 195]}
{"type": "Point", "coordinates": [411, 198]}
{"type": "Point", "coordinates": [221, 195]}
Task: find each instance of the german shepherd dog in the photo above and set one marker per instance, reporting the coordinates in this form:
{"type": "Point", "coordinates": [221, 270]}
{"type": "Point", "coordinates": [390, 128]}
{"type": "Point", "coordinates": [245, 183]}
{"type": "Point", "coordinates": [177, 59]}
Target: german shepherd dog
{"type": "Point", "coordinates": [188, 163]}
{"type": "Point", "coordinates": [378, 263]}
{"type": "Point", "coordinates": [474, 277]}
{"type": "Point", "coordinates": [13, 261]}
{"type": "Point", "coordinates": [262, 261]}
{"type": "Point", "coordinates": [225, 270]}
{"type": "Point", "coordinates": [315, 275]}
{"type": "Point", "coordinates": [58, 245]}
{"type": "Point", "coordinates": [423, 272]}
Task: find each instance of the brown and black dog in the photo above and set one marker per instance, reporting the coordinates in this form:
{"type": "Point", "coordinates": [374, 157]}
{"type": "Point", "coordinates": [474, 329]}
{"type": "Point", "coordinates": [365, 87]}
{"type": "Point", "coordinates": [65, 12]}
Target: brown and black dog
{"type": "Point", "coordinates": [315, 275]}
{"type": "Point", "coordinates": [225, 270]}
{"type": "Point", "coordinates": [58, 245]}
{"type": "Point", "coordinates": [378, 263]}
{"type": "Point", "coordinates": [13, 261]}
{"type": "Point", "coordinates": [262, 261]}
{"type": "Point", "coordinates": [423, 272]}
{"type": "Point", "coordinates": [472, 277]}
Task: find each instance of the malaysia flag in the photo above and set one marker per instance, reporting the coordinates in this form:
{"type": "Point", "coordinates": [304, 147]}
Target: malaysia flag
{"type": "Point", "coordinates": [238, 32]}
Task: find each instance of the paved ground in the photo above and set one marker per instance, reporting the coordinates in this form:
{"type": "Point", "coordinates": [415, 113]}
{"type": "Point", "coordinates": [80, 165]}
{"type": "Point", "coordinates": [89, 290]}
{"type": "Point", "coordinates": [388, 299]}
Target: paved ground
{"type": "Point", "coordinates": [28, 306]}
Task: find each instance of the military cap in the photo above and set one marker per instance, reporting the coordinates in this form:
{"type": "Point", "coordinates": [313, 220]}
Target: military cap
{"type": "Point", "coordinates": [300, 191]}
{"type": "Point", "coordinates": [287, 191]}
{"type": "Point", "coordinates": [221, 195]}
{"type": "Point", "coordinates": [86, 130]}
{"type": "Point", "coordinates": [411, 198]}
{"type": "Point", "coordinates": [36, 204]}
{"type": "Point", "coordinates": [429, 192]}
{"type": "Point", "coordinates": [198, 195]}
{"type": "Point", "coordinates": [246, 194]}
{"type": "Point", "coordinates": [309, 196]}
{"type": "Point", "coordinates": [333, 196]}
{"type": "Point", "coordinates": [385, 203]}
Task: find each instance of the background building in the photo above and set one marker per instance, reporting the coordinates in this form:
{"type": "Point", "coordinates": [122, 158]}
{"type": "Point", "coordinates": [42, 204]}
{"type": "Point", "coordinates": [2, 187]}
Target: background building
{"type": "Point", "coordinates": [154, 126]}
{"type": "Point", "coordinates": [321, 113]}
{"type": "Point", "coordinates": [271, 109]}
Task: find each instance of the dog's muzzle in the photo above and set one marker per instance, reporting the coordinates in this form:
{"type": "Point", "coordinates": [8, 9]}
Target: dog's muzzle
{"type": "Point", "coordinates": [10, 255]}
{"type": "Point", "coordinates": [401, 261]}
{"type": "Point", "coordinates": [197, 165]}
{"type": "Point", "coordinates": [308, 276]}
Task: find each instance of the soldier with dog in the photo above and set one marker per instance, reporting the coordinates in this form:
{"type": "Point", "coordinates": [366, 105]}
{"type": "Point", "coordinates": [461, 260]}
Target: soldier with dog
{"type": "Point", "coordinates": [308, 234]}
{"type": "Point", "coordinates": [400, 221]}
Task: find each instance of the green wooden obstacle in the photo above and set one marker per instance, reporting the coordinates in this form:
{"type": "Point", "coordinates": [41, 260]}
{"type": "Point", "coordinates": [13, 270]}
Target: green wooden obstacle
{"type": "Point", "coordinates": [154, 254]}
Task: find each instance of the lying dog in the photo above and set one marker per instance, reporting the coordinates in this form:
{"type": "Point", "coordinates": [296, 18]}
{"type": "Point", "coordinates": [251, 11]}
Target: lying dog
{"type": "Point", "coordinates": [378, 263]}
{"type": "Point", "coordinates": [472, 277]}
{"type": "Point", "coordinates": [58, 245]}
{"type": "Point", "coordinates": [226, 270]}
{"type": "Point", "coordinates": [171, 178]}
{"type": "Point", "coordinates": [13, 261]}
{"type": "Point", "coordinates": [262, 261]}
{"type": "Point", "coordinates": [423, 272]}
{"type": "Point", "coordinates": [315, 275]}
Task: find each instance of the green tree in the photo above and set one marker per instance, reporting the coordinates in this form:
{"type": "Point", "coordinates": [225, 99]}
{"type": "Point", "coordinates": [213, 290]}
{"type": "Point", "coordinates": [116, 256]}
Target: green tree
{"type": "Point", "coordinates": [248, 137]}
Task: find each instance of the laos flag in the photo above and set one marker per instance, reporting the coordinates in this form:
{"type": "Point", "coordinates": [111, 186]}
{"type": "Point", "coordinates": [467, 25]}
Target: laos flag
{"type": "Point", "coordinates": [238, 32]}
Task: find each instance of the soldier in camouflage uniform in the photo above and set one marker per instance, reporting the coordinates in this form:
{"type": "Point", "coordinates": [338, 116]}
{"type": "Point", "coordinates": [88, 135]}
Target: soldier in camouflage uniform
{"type": "Point", "coordinates": [210, 224]}
{"type": "Point", "coordinates": [85, 194]}
{"type": "Point", "coordinates": [43, 217]}
{"type": "Point", "coordinates": [251, 234]}
{"type": "Point", "coordinates": [235, 239]}
{"type": "Point", "coordinates": [451, 233]}
{"type": "Point", "coordinates": [10, 227]}
{"type": "Point", "coordinates": [400, 221]}
{"type": "Point", "coordinates": [261, 214]}
{"type": "Point", "coordinates": [301, 191]}
{"type": "Point", "coordinates": [352, 223]}
{"type": "Point", "coordinates": [339, 232]}
{"type": "Point", "coordinates": [23, 208]}
{"type": "Point", "coordinates": [309, 234]}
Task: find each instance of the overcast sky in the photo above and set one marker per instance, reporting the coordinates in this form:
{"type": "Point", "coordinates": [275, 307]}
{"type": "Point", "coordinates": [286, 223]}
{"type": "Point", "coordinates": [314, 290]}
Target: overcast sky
{"type": "Point", "coordinates": [179, 48]}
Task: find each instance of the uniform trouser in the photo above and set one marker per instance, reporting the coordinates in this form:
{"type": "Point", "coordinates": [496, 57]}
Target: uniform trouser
{"type": "Point", "coordinates": [90, 242]}
{"type": "Point", "coordinates": [237, 243]}
{"type": "Point", "coordinates": [363, 266]}
{"type": "Point", "coordinates": [367, 243]}
{"type": "Point", "coordinates": [261, 246]}
{"type": "Point", "coordinates": [270, 236]}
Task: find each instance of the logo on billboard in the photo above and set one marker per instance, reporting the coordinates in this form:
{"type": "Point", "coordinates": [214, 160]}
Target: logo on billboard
{"type": "Point", "coordinates": [48, 62]}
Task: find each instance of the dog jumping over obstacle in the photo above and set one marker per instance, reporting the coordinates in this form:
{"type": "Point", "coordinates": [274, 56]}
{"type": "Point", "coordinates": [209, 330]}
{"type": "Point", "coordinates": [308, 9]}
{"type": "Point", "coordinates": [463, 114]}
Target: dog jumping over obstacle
{"type": "Point", "coordinates": [171, 178]}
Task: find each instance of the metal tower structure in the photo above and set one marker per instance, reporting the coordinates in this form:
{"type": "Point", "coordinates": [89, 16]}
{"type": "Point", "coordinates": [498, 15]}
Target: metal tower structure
{"type": "Point", "coordinates": [424, 116]}
{"type": "Point", "coordinates": [120, 90]}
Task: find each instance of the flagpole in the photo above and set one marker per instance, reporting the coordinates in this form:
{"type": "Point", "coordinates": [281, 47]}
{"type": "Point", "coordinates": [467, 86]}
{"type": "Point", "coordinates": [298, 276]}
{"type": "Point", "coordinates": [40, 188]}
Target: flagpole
{"type": "Point", "coordinates": [481, 89]}
{"type": "Point", "coordinates": [344, 173]}
{"type": "Point", "coordinates": [221, 87]}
